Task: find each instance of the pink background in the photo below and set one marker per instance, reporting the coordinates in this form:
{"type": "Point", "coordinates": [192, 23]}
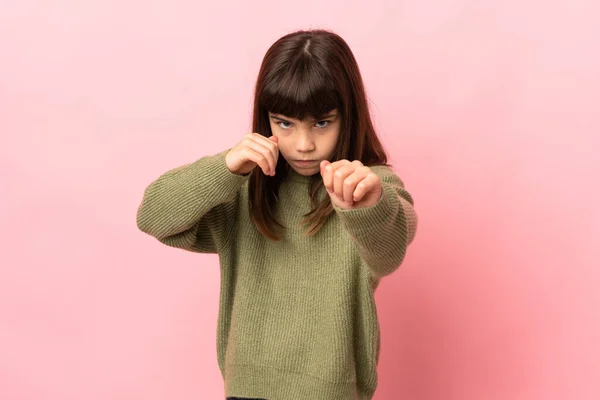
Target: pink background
{"type": "Point", "coordinates": [490, 112]}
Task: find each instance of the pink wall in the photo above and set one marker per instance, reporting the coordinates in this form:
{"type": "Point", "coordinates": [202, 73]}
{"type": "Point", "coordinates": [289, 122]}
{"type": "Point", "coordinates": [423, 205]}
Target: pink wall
{"type": "Point", "coordinates": [489, 109]}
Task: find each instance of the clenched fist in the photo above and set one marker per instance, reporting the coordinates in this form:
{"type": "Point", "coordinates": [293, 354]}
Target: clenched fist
{"type": "Point", "coordinates": [351, 184]}
{"type": "Point", "coordinates": [254, 149]}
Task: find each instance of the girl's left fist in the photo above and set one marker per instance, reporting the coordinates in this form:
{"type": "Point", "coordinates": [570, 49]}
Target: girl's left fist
{"type": "Point", "coordinates": [351, 184]}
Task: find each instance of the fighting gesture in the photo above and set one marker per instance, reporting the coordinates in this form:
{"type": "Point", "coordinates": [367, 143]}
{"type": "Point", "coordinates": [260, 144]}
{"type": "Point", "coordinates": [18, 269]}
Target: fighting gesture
{"type": "Point", "coordinates": [351, 184]}
{"type": "Point", "coordinates": [254, 149]}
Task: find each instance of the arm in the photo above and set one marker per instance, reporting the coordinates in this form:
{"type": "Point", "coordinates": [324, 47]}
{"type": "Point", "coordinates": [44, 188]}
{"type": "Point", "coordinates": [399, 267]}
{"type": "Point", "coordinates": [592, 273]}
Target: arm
{"type": "Point", "coordinates": [192, 207]}
{"type": "Point", "coordinates": [383, 231]}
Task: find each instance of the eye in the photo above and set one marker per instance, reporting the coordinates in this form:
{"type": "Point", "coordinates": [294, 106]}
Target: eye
{"type": "Point", "coordinates": [283, 122]}
{"type": "Point", "coordinates": [323, 126]}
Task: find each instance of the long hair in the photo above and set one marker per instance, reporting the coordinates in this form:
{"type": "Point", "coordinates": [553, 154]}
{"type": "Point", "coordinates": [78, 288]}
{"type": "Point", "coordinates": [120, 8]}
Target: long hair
{"type": "Point", "coordinates": [308, 73]}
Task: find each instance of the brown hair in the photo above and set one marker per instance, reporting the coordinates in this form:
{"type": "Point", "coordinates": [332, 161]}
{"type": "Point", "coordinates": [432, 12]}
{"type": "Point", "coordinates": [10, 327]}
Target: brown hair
{"type": "Point", "coordinates": [308, 73]}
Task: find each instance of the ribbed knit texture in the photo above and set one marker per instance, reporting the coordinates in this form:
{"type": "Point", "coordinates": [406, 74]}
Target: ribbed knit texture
{"type": "Point", "coordinates": [297, 318]}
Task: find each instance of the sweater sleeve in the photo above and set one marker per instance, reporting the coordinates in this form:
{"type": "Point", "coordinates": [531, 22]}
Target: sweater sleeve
{"type": "Point", "coordinates": [192, 207]}
{"type": "Point", "coordinates": [383, 231]}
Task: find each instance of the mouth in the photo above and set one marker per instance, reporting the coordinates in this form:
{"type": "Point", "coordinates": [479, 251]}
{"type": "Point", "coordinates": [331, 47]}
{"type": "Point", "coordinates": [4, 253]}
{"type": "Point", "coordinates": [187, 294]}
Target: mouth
{"type": "Point", "coordinates": [305, 163]}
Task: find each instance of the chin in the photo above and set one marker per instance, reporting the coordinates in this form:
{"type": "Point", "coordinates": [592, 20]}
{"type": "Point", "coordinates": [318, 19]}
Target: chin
{"type": "Point", "coordinates": [304, 171]}
{"type": "Point", "coordinates": [307, 171]}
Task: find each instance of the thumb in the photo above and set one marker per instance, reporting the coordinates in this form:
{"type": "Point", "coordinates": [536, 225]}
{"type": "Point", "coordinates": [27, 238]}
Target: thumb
{"type": "Point", "coordinates": [273, 138]}
{"type": "Point", "coordinates": [324, 163]}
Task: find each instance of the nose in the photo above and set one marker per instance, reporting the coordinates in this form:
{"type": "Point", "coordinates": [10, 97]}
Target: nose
{"type": "Point", "coordinates": [305, 143]}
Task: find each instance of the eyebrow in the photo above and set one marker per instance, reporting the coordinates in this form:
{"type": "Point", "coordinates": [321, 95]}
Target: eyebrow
{"type": "Point", "coordinates": [319, 118]}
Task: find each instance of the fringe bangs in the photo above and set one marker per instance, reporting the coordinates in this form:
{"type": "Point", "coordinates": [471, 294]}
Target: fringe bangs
{"type": "Point", "coordinates": [302, 90]}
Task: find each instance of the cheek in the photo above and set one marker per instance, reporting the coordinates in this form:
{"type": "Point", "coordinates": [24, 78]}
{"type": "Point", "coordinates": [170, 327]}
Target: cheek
{"type": "Point", "coordinates": [283, 143]}
{"type": "Point", "coordinates": [284, 146]}
{"type": "Point", "coordinates": [334, 135]}
{"type": "Point", "coordinates": [330, 141]}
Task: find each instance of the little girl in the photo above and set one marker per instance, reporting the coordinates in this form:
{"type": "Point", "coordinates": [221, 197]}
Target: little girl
{"type": "Point", "coordinates": [306, 216]}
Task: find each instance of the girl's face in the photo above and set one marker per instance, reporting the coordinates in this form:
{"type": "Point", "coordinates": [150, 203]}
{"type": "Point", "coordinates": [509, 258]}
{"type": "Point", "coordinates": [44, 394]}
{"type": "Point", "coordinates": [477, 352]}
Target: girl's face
{"type": "Point", "coordinates": [310, 139]}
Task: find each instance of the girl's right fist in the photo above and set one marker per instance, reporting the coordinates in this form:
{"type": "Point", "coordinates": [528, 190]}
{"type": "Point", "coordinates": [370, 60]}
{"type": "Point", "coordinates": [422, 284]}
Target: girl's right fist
{"type": "Point", "coordinates": [253, 150]}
